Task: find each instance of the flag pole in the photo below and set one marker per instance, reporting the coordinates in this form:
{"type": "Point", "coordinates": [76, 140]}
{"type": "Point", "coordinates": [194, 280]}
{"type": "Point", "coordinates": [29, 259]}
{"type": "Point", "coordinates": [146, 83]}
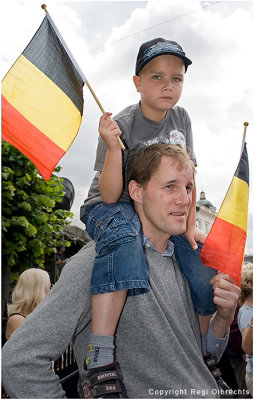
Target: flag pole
{"type": "Point", "coordinates": [102, 110]}
{"type": "Point", "coordinates": [44, 7]}
{"type": "Point", "coordinates": [245, 124]}
{"type": "Point", "coordinates": [245, 129]}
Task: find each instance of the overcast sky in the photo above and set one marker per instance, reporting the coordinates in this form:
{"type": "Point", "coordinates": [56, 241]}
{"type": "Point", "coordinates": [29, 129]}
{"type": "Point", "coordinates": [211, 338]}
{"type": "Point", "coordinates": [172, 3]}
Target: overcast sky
{"type": "Point", "coordinates": [104, 37]}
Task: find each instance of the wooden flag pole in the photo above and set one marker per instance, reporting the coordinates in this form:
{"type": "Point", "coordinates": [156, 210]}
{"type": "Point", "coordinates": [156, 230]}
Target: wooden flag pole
{"type": "Point", "coordinates": [245, 129]}
{"type": "Point", "coordinates": [102, 110]}
{"type": "Point", "coordinates": [44, 7]}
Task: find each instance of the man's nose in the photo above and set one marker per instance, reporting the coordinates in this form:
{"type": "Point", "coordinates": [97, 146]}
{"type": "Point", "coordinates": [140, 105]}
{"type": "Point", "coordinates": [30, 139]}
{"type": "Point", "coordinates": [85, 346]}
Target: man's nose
{"type": "Point", "coordinates": [183, 197]}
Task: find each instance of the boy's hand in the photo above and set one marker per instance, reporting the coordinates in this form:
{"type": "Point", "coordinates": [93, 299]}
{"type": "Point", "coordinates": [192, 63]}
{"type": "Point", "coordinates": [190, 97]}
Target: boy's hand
{"type": "Point", "coordinates": [108, 129]}
{"type": "Point", "coordinates": [194, 235]}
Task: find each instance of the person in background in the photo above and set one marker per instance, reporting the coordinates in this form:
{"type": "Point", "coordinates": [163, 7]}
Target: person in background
{"type": "Point", "coordinates": [32, 286]}
{"type": "Point", "coordinates": [245, 321]}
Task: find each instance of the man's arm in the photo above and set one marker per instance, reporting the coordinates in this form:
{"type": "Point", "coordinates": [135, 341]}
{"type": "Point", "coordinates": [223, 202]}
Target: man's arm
{"type": "Point", "coordinates": [46, 333]}
{"type": "Point", "coordinates": [226, 296]}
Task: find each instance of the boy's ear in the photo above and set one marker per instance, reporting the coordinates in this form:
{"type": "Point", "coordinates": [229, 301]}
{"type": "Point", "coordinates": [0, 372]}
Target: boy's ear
{"type": "Point", "coordinates": [137, 82]}
{"type": "Point", "coordinates": [135, 191]}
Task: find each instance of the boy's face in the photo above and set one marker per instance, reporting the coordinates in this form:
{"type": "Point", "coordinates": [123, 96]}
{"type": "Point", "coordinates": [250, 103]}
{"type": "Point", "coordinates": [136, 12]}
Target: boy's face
{"type": "Point", "coordinates": [160, 85]}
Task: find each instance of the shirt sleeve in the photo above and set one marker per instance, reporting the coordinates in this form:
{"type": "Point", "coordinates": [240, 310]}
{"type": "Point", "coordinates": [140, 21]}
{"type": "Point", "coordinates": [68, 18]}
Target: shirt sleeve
{"type": "Point", "coordinates": [213, 343]}
{"type": "Point", "coordinates": [100, 155]}
{"type": "Point", "coordinates": [189, 137]}
{"type": "Point", "coordinates": [244, 317]}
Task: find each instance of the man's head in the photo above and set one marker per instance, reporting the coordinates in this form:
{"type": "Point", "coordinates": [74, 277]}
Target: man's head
{"type": "Point", "coordinates": [161, 181]}
{"type": "Point", "coordinates": [157, 47]}
{"type": "Point", "coordinates": [160, 68]}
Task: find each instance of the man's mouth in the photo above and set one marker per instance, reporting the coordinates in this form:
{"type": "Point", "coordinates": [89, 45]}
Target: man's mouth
{"type": "Point", "coordinates": [178, 214]}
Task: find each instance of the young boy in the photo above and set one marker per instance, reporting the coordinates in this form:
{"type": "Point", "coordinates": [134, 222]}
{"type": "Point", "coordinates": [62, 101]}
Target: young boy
{"type": "Point", "coordinates": [120, 267]}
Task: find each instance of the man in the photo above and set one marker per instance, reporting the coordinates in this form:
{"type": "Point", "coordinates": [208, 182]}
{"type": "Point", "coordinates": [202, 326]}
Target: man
{"type": "Point", "coordinates": [158, 339]}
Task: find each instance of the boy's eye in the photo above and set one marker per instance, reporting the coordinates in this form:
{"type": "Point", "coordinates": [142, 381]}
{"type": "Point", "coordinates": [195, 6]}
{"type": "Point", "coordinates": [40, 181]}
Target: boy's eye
{"type": "Point", "coordinates": [177, 79]}
{"type": "Point", "coordinates": [157, 77]}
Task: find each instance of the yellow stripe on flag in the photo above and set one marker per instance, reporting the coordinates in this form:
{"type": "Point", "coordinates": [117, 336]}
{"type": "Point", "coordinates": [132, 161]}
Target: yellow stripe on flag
{"type": "Point", "coordinates": [34, 95]}
{"type": "Point", "coordinates": [234, 208]}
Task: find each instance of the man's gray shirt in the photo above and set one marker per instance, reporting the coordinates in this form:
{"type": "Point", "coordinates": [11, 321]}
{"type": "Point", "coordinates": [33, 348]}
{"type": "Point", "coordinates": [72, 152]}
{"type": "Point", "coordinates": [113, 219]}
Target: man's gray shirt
{"type": "Point", "coordinates": [157, 341]}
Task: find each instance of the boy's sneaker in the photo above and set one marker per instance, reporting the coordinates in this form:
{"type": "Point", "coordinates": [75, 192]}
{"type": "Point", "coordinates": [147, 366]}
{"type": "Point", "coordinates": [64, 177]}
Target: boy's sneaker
{"type": "Point", "coordinates": [224, 390]}
{"type": "Point", "coordinates": [102, 382]}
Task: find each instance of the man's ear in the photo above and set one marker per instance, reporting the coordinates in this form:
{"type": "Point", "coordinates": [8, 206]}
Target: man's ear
{"type": "Point", "coordinates": [137, 82]}
{"type": "Point", "coordinates": [135, 191]}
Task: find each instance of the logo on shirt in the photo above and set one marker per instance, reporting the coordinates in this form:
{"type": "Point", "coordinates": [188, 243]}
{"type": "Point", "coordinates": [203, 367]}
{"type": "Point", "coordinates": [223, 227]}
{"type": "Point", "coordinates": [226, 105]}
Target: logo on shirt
{"type": "Point", "coordinates": [177, 137]}
{"type": "Point", "coordinates": [173, 137]}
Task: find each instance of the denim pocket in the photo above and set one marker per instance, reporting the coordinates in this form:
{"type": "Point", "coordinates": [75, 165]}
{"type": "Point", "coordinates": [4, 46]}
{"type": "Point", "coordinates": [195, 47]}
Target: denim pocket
{"type": "Point", "coordinates": [113, 230]}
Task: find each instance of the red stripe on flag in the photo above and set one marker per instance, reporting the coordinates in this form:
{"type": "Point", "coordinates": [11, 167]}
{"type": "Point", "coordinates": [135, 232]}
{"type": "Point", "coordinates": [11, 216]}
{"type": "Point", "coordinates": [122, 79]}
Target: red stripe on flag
{"type": "Point", "coordinates": [19, 132]}
{"type": "Point", "coordinates": [224, 247]}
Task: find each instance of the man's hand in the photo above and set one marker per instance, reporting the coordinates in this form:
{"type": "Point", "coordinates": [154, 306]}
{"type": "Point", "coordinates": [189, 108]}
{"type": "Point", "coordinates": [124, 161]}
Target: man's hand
{"type": "Point", "coordinates": [109, 130]}
{"type": "Point", "coordinates": [226, 296]}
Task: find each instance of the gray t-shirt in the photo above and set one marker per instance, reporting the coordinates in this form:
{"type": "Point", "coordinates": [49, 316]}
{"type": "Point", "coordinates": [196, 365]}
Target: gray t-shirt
{"type": "Point", "coordinates": [157, 340]}
{"type": "Point", "coordinates": [138, 132]}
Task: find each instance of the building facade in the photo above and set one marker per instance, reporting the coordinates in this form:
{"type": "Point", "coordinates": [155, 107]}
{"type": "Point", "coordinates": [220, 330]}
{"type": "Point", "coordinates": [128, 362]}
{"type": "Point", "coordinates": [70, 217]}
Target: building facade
{"type": "Point", "coordinates": [205, 213]}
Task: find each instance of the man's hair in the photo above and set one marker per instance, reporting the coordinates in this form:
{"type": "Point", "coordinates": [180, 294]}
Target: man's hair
{"type": "Point", "coordinates": [144, 164]}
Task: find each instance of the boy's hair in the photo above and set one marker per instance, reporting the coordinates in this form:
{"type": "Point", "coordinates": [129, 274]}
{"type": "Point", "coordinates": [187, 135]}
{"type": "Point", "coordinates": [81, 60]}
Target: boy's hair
{"type": "Point", "coordinates": [246, 278]}
{"type": "Point", "coordinates": [144, 164]}
{"type": "Point", "coordinates": [158, 47]}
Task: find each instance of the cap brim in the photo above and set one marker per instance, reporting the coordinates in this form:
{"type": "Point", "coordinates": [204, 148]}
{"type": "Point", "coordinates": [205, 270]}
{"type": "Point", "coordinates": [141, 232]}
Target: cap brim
{"type": "Point", "coordinates": [186, 60]}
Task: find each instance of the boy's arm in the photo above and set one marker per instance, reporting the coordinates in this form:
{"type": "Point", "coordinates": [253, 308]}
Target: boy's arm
{"type": "Point", "coordinates": [193, 234]}
{"type": "Point", "coordinates": [111, 178]}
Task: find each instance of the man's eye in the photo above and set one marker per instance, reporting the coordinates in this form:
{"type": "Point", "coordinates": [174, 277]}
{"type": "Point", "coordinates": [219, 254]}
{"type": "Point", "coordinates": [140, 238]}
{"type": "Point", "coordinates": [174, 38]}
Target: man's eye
{"type": "Point", "coordinates": [177, 79]}
{"type": "Point", "coordinates": [188, 189]}
{"type": "Point", "coordinates": [172, 188]}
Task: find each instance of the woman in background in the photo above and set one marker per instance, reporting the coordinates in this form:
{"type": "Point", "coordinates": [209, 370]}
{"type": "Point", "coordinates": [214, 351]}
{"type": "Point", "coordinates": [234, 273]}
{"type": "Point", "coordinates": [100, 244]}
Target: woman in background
{"type": "Point", "coordinates": [245, 321]}
{"type": "Point", "coordinates": [32, 286]}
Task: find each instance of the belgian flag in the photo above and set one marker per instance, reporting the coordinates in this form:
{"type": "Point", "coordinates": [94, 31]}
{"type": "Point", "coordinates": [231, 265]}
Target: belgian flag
{"type": "Point", "coordinates": [223, 248]}
{"type": "Point", "coordinates": [42, 99]}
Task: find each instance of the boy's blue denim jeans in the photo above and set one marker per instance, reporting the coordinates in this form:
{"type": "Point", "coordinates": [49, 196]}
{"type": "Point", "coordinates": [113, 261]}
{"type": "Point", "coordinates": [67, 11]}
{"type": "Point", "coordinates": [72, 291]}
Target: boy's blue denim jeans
{"type": "Point", "coordinates": [197, 274]}
{"type": "Point", "coordinates": [120, 262]}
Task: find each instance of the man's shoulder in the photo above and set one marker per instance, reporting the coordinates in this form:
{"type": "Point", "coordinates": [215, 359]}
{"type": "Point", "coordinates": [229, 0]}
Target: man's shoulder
{"type": "Point", "coordinates": [82, 261]}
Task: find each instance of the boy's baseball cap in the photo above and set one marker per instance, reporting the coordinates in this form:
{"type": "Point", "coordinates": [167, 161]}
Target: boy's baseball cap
{"type": "Point", "coordinates": [158, 47]}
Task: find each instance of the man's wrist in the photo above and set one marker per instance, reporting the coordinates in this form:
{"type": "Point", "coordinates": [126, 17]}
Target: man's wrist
{"type": "Point", "coordinates": [220, 325]}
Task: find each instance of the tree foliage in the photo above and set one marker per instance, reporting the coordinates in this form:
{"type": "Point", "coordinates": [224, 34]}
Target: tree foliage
{"type": "Point", "coordinates": [31, 228]}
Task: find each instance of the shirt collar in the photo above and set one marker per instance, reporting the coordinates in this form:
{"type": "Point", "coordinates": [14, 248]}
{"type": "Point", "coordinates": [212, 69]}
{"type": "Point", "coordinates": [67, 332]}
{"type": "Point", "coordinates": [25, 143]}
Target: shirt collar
{"type": "Point", "coordinates": [166, 253]}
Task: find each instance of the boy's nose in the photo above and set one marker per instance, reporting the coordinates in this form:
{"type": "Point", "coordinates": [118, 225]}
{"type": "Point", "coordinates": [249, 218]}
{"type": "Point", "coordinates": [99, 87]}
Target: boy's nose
{"type": "Point", "coordinates": [168, 85]}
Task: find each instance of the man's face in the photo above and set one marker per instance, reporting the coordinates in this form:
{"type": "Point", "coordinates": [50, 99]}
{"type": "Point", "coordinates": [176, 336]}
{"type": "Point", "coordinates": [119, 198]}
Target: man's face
{"type": "Point", "coordinates": [165, 201]}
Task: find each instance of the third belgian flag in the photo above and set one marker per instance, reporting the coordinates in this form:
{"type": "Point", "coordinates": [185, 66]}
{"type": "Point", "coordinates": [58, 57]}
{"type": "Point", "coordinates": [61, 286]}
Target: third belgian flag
{"type": "Point", "coordinates": [223, 248]}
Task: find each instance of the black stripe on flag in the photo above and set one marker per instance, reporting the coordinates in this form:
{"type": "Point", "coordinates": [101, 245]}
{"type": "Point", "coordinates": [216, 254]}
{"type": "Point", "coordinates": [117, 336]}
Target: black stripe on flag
{"type": "Point", "coordinates": [242, 171]}
{"type": "Point", "coordinates": [47, 53]}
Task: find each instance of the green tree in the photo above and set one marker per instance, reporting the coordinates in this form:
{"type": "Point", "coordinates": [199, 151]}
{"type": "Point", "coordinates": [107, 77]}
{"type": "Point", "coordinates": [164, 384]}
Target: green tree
{"type": "Point", "coordinates": [31, 228]}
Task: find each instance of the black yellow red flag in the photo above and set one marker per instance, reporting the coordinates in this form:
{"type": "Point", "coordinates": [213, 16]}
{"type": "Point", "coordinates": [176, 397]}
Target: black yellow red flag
{"type": "Point", "coordinates": [223, 248]}
{"type": "Point", "coordinates": [42, 99]}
